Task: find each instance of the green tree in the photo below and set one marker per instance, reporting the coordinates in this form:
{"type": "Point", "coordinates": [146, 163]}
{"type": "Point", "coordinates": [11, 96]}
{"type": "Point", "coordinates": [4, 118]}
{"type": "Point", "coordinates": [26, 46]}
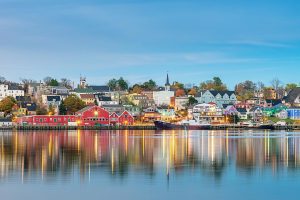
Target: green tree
{"type": "Point", "coordinates": [112, 84]}
{"type": "Point", "coordinates": [214, 84]}
{"type": "Point", "coordinates": [149, 85]}
{"type": "Point", "coordinates": [62, 108]}
{"type": "Point", "coordinates": [73, 103]}
{"type": "Point", "coordinates": [245, 90]}
{"type": "Point", "coordinates": [290, 86]}
{"type": "Point", "coordinates": [122, 84]}
{"type": "Point", "coordinates": [176, 85]}
{"type": "Point", "coordinates": [7, 104]}
{"type": "Point", "coordinates": [192, 101]}
{"type": "Point", "coordinates": [53, 82]}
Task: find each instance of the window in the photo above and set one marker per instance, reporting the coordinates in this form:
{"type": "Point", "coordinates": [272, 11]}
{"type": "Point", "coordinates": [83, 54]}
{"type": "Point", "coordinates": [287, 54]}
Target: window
{"type": "Point", "coordinates": [41, 119]}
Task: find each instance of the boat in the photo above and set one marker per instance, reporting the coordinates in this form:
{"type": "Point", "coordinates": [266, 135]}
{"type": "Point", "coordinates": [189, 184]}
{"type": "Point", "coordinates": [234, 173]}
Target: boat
{"type": "Point", "coordinates": [182, 125]}
{"type": "Point", "coordinates": [266, 126]}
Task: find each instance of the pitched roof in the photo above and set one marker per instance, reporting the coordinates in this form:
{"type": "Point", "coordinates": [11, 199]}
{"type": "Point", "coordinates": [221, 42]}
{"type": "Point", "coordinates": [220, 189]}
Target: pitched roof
{"type": "Point", "coordinates": [241, 110]}
{"type": "Point", "coordinates": [292, 95]}
{"type": "Point", "coordinates": [84, 90]}
{"type": "Point", "coordinates": [215, 93]}
{"type": "Point", "coordinates": [23, 98]}
{"type": "Point", "coordinates": [53, 98]}
{"type": "Point", "coordinates": [87, 96]}
{"type": "Point", "coordinates": [14, 87]}
{"type": "Point", "coordinates": [29, 106]}
{"type": "Point", "coordinates": [104, 98]}
{"type": "Point", "coordinates": [99, 88]}
{"type": "Point", "coordinates": [274, 102]}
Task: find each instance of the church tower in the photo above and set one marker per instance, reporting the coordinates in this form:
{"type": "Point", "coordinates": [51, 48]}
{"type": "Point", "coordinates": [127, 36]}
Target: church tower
{"type": "Point", "coordinates": [167, 85]}
{"type": "Point", "coordinates": [82, 83]}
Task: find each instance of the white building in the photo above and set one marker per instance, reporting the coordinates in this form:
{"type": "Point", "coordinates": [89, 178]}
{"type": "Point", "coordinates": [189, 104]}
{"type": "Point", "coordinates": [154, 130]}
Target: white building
{"type": "Point", "coordinates": [163, 97]}
{"type": "Point", "coordinates": [218, 97]}
{"type": "Point", "coordinates": [181, 103]}
{"type": "Point", "coordinates": [209, 112]}
{"type": "Point", "coordinates": [10, 90]}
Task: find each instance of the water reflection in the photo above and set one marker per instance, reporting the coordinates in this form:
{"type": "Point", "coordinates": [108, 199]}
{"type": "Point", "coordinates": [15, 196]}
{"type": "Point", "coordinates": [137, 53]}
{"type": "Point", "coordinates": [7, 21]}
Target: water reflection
{"type": "Point", "coordinates": [48, 155]}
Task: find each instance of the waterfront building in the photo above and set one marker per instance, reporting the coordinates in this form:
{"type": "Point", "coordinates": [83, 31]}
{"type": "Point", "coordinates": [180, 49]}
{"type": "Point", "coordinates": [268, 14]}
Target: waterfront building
{"type": "Point", "coordinates": [92, 115]}
{"type": "Point", "coordinates": [167, 113]}
{"type": "Point", "coordinates": [218, 97]}
{"type": "Point", "coordinates": [5, 122]}
{"type": "Point", "coordinates": [209, 112]}
{"type": "Point", "coordinates": [47, 120]}
{"type": "Point", "coordinates": [256, 114]}
{"type": "Point", "coordinates": [242, 113]}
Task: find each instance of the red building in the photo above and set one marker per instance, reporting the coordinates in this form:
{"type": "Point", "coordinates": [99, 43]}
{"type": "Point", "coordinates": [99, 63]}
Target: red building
{"type": "Point", "coordinates": [126, 118]}
{"type": "Point", "coordinates": [92, 116]}
{"type": "Point", "coordinates": [46, 120]}
{"type": "Point", "coordinates": [88, 116]}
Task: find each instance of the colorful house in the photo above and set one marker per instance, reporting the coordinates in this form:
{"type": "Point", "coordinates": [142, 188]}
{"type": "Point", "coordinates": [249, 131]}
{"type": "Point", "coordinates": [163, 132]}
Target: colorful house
{"type": "Point", "coordinates": [126, 118]}
{"type": "Point", "coordinates": [88, 99]}
{"type": "Point", "coordinates": [293, 113]}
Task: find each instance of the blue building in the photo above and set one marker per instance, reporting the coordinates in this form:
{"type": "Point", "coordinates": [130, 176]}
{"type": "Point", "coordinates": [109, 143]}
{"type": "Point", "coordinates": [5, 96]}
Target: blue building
{"type": "Point", "coordinates": [294, 113]}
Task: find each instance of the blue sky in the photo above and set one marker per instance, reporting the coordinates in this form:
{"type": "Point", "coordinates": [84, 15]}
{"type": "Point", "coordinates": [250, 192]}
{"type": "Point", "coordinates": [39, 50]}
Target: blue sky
{"type": "Point", "coordinates": [138, 39]}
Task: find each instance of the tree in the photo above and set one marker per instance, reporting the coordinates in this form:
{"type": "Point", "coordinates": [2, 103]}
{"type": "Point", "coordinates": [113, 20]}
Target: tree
{"type": "Point", "coordinates": [53, 82]}
{"type": "Point", "coordinates": [62, 108]}
{"type": "Point", "coordinates": [2, 79]}
{"type": "Point", "coordinates": [66, 83]}
{"type": "Point", "coordinates": [245, 90]}
{"type": "Point", "coordinates": [122, 84]}
{"type": "Point", "coordinates": [290, 86]}
{"type": "Point", "coordinates": [47, 80]}
{"type": "Point", "coordinates": [7, 104]}
{"type": "Point", "coordinates": [192, 92]}
{"type": "Point", "coordinates": [41, 110]}
{"type": "Point", "coordinates": [192, 101]}
{"type": "Point", "coordinates": [276, 84]}
{"type": "Point", "coordinates": [26, 83]}
{"type": "Point", "coordinates": [73, 103]}
{"type": "Point", "coordinates": [112, 84]}
{"type": "Point", "coordinates": [176, 85]}
{"type": "Point", "coordinates": [214, 84]}
{"type": "Point", "coordinates": [149, 85]}
{"type": "Point", "coordinates": [179, 93]}
{"type": "Point", "coordinates": [137, 89]}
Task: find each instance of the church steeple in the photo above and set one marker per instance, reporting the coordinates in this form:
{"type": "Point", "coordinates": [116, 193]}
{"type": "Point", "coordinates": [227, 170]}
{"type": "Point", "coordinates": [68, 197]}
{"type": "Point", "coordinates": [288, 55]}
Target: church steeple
{"type": "Point", "coordinates": [167, 85]}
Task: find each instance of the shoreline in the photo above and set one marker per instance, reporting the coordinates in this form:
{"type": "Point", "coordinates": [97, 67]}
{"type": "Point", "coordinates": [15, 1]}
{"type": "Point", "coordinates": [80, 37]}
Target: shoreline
{"type": "Point", "coordinates": [146, 127]}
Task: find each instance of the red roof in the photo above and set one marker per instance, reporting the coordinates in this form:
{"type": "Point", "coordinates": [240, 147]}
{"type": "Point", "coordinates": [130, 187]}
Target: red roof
{"type": "Point", "coordinates": [87, 96]}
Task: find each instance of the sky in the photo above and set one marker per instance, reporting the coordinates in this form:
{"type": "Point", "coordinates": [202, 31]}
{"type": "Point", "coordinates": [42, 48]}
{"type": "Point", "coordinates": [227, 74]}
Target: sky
{"type": "Point", "coordinates": [192, 40]}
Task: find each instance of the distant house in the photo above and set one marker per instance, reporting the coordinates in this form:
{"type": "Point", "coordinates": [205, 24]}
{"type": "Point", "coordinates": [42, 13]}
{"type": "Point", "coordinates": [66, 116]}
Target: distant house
{"type": "Point", "coordinates": [181, 103]}
{"type": "Point", "coordinates": [141, 100]}
{"type": "Point", "coordinates": [272, 102]}
{"type": "Point", "coordinates": [114, 108]}
{"type": "Point", "coordinates": [89, 99]}
{"type": "Point", "coordinates": [242, 113]}
{"type": "Point", "coordinates": [218, 97]}
{"type": "Point", "coordinates": [26, 108]}
{"type": "Point", "coordinates": [167, 113]}
{"type": "Point", "coordinates": [256, 113]}
{"type": "Point", "coordinates": [282, 114]}
{"type": "Point", "coordinates": [104, 100]}
{"type": "Point", "coordinates": [293, 98]}
{"type": "Point", "coordinates": [5, 122]}
{"type": "Point", "coordinates": [12, 90]}
{"type": "Point", "coordinates": [230, 110]}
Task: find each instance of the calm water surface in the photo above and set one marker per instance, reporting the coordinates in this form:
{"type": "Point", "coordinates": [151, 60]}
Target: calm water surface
{"type": "Point", "coordinates": [150, 165]}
